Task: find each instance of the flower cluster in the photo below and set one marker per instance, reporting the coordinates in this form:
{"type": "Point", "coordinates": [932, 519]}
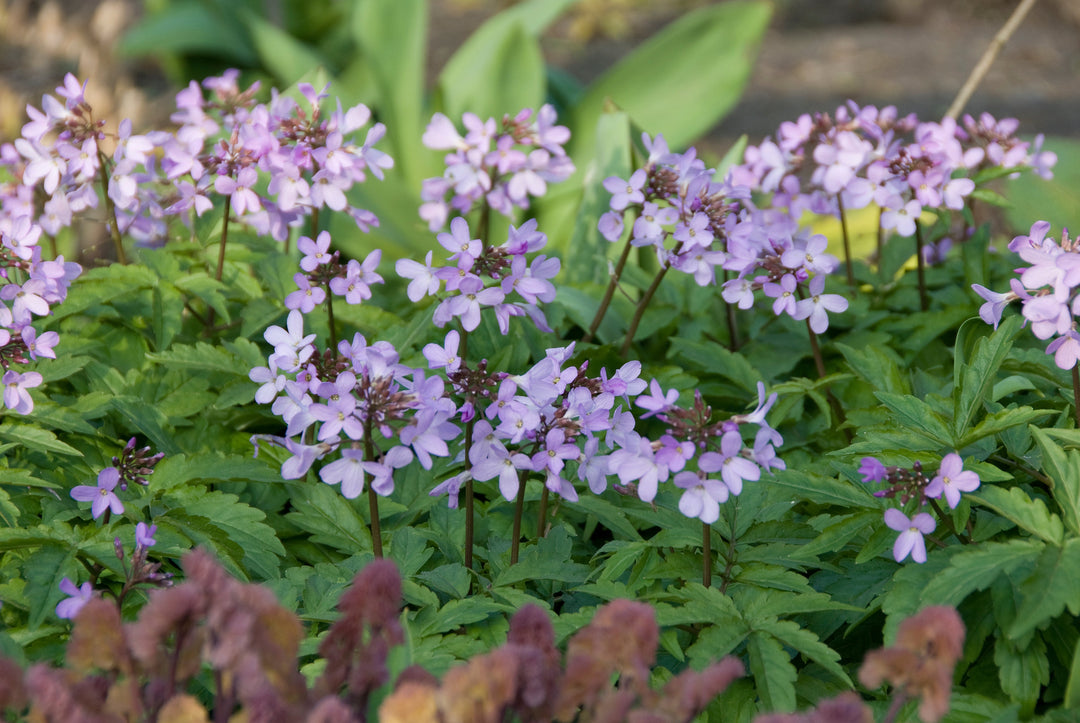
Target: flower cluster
{"type": "Point", "coordinates": [324, 271]}
{"type": "Point", "coordinates": [859, 156]}
{"type": "Point", "coordinates": [474, 264]}
{"type": "Point", "coordinates": [683, 212]}
{"type": "Point", "coordinates": [693, 438]}
{"type": "Point", "coordinates": [274, 162]}
{"type": "Point", "coordinates": [913, 485]}
{"type": "Point", "coordinates": [551, 420]}
{"type": "Point", "coordinates": [1046, 289]}
{"type": "Point", "coordinates": [501, 169]}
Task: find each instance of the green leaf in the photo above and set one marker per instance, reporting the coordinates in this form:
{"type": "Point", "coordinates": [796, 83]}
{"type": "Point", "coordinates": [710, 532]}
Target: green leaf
{"type": "Point", "coordinates": [774, 675]}
{"type": "Point", "coordinates": [1053, 586]}
{"type": "Point", "coordinates": [178, 470]}
{"type": "Point", "coordinates": [190, 26]}
{"type": "Point", "coordinates": [974, 376]}
{"type": "Point", "coordinates": [588, 251]}
{"type": "Point", "coordinates": [98, 286]}
{"type": "Point", "coordinates": [393, 39]}
{"type": "Point", "coordinates": [456, 613]}
{"type": "Point", "coordinates": [694, 603]}
{"type": "Point", "coordinates": [789, 633]}
{"type": "Point", "coordinates": [287, 58]}
{"type": "Point", "coordinates": [708, 356]}
{"type": "Point", "coordinates": [548, 559]}
{"type": "Point", "coordinates": [43, 571]}
{"type": "Point", "coordinates": [1022, 671]}
{"type": "Point", "coordinates": [331, 519]}
{"type": "Point", "coordinates": [820, 489]}
{"type": "Point", "coordinates": [1015, 505]}
{"type": "Point", "coordinates": [878, 365]}
{"type": "Point", "coordinates": [710, 52]}
{"type": "Point", "coordinates": [210, 290]}
{"type": "Point", "coordinates": [35, 438]}
{"type": "Point", "coordinates": [244, 525]}
{"type": "Point", "coordinates": [1001, 421]}
{"type": "Point", "coordinates": [202, 356]}
{"type": "Point", "coordinates": [977, 567]}
{"type": "Point", "coordinates": [499, 70]}
{"type": "Point", "coordinates": [146, 419]}
{"type": "Point", "coordinates": [13, 538]}
{"type": "Point", "coordinates": [453, 579]}
{"type": "Point", "coordinates": [917, 415]}
{"type": "Point", "coordinates": [1036, 198]}
{"type": "Point", "coordinates": [1072, 688]}
{"type": "Point", "coordinates": [609, 515]}
{"type": "Point", "coordinates": [1064, 469]}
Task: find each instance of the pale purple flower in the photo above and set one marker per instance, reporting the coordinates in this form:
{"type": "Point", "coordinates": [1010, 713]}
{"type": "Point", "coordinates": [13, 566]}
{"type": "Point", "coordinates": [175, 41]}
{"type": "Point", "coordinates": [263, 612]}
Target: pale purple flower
{"type": "Point", "coordinates": [16, 386]}
{"type": "Point", "coordinates": [423, 281]}
{"type": "Point", "coordinates": [101, 496]}
{"type": "Point", "coordinates": [657, 400]}
{"type": "Point", "coordinates": [316, 252]}
{"type": "Point", "coordinates": [951, 480]}
{"type": "Point", "coordinates": [910, 541]}
{"type": "Point", "coordinates": [144, 535]}
{"type": "Point", "coordinates": [871, 469]}
{"type": "Point", "coordinates": [818, 304]}
{"type": "Point", "coordinates": [445, 356]}
{"type": "Point", "coordinates": [702, 496]}
{"type": "Point", "coordinates": [306, 297]}
{"type": "Point", "coordinates": [79, 596]}
{"type": "Point", "coordinates": [625, 193]}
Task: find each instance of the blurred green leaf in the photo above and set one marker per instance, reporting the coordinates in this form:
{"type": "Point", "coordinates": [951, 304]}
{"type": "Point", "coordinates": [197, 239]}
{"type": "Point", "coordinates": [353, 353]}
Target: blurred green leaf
{"type": "Point", "coordinates": [286, 57]}
{"type": "Point", "coordinates": [1057, 200]}
{"type": "Point", "coordinates": [191, 26]}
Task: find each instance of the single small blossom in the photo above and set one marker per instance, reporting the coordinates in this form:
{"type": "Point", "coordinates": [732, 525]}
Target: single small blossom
{"type": "Point", "coordinates": [910, 541]}
{"type": "Point", "coordinates": [872, 469]}
{"type": "Point", "coordinates": [951, 480]}
{"type": "Point", "coordinates": [101, 496]}
{"type": "Point", "coordinates": [144, 535]}
{"type": "Point", "coordinates": [78, 597]}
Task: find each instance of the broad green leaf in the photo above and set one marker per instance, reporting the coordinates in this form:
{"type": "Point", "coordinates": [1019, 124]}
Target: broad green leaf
{"type": "Point", "coordinates": [1035, 198]}
{"type": "Point", "coordinates": [210, 290]}
{"type": "Point", "coordinates": [818, 488]}
{"type": "Point", "coordinates": [12, 538]}
{"type": "Point", "coordinates": [500, 76]}
{"type": "Point", "coordinates": [999, 422]}
{"type": "Point", "coordinates": [1022, 671]}
{"type": "Point", "coordinates": [774, 675]}
{"type": "Point", "coordinates": [287, 58]}
{"type": "Point", "coordinates": [694, 603]}
{"type": "Point", "coordinates": [453, 579]}
{"type": "Point", "coordinates": [807, 643]}
{"type": "Point", "coordinates": [190, 26]}
{"type": "Point", "coordinates": [977, 567]}
{"type": "Point", "coordinates": [1051, 587]}
{"type": "Point", "coordinates": [682, 80]}
{"type": "Point", "coordinates": [878, 365]}
{"type": "Point", "coordinates": [714, 642]}
{"type": "Point", "coordinates": [98, 286]}
{"type": "Point", "coordinates": [409, 549]}
{"type": "Point", "coordinates": [974, 375]}
{"type": "Point", "coordinates": [146, 419]}
{"type": "Point", "coordinates": [917, 415]}
{"type": "Point", "coordinates": [43, 571]}
{"type": "Point", "coordinates": [488, 75]}
{"type": "Point", "coordinates": [1015, 505]}
{"type": "Point", "coordinates": [36, 438]}
{"type": "Point", "coordinates": [609, 515]}
{"type": "Point", "coordinates": [393, 39]}
{"type": "Point", "coordinates": [456, 613]}
{"type": "Point", "coordinates": [587, 255]}
{"type": "Point", "coordinates": [1064, 469]}
{"type": "Point", "coordinates": [1072, 688]}
{"type": "Point", "coordinates": [330, 518]}
{"type": "Point", "coordinates": [179, 469]}
{"type": "Point", "coordinates": [708, 356]}
{"type": "Point", "coordinates": [203, 356]}
{"type": "Point", "coordinates": [244, 525]}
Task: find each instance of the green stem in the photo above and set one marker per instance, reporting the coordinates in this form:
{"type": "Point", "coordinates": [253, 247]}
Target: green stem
{"type": "Point", "coordinates": [609, 292]}
{"type": "Point", "coordinates": [330, 316]}
{"type": "Point", "coordinates": [519, 509]}
{"type": "Point", "coordinates": [706, 546]}
{"type": "Point", "coordinates": [110, 209]}
{"type": "Point", "coordinates": [924, 300]}
{"type": "Point", "coordinates": [221, 258]}
{"type": "Point", "coordinates": [643, 302]}
{"type": "Point", "coordinates": [1076, 394]}
{"type": "Point", "coordinates": [373, 497]}
{"type": "Point", "coordinates": [469, 528]}
{"type": "Point", "coordinates": [947, 521]}
{"type": "Point", "coordinates": [732, 321]}
{"type": "Point", "coordinates": [730, 563]}
{"type": "Point", "coordinates": [847, 242]}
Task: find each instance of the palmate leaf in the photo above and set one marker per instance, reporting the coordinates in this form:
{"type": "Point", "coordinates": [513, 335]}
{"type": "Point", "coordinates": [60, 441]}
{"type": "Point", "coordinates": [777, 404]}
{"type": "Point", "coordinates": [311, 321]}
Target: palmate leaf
{"type": "Point", "coordinates": [330, 518]}
{"type": "Point", "coordinates": [1052, 586]}
{"type": "Point", "coordinates": [804, 641]}
{"type": "Point", "coordinates": [774, 674]}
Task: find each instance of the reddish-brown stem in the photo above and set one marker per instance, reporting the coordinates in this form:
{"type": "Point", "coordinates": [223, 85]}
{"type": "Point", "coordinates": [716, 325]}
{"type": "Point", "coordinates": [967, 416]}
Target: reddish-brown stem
{"type": "Point", "coordinates": [609, 292]}
{"type": "Point", "coordinates": [924, 300]}
{"type": "Point", "coordinates": [110, 209]}
{"type": "Point", "coordinates": [732, 322]}
{"type": "Point", "coordinates": [706, 546]}
{"type": "Point", "coordinates": [519, 509]}
{"type": "Point", "coordinates": [847, 242]}
{"type": "Point", "coordinates": [373, 497]}
{"type": "Point", "coordinates": [643, 302]}
{"type": "Point", "coordinates": [330, 316]}
{"type": "Point", "coordinates": [1076, 394]}
{"type": "Point", "coordinates": [947, 521]}
{"type": "Point", "coordinates": [541, 516]}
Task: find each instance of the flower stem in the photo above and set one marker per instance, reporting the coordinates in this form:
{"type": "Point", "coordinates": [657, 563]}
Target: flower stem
{"type": "Point", "coordinates": [643, 302]}
{"type": "Point", "coordinates": [373, 497]}
{"type": "Point", "coordinates": [730, 562]}
{"type": "Point", "coordinates": [847, 242]}
{"type": "Point", "coordinates": [221, 257]}
{"type": "Point", "coordinates": [924, 300]}
{"type": "Point", "coordinates": [330, 316]}
{"type": "Point", "coordinates": [541, 516]}
{"type": "Point", "coordinates": [519, 509]}
{"type": "Point", "coordinates": [469, 511]}
{"type": "Point", "coordinates": [947, 521]}
{"type": "Point", "coordinates": [732, 321]}
{"type": "Point", "coordinates": [706, 547]}
{"type": "Point", "coordinates": [1076, 394]}
{"type": "Point", "coordinates": [609, 292]}
{"type": "Point", "coordinates": [110, 208]}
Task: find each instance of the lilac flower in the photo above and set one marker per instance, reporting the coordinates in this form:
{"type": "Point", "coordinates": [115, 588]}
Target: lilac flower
{"type": "Point", "coordinates": [951, 480]}
{"type": "Point", "coordinates": [702, 496]}
{"type": "Point", "coordinates": [316, 252]}
{"type": "Point", "coordinates": [355, 286]}
{"type": "Point", "coordinates": [306, 297]}
{"type": "Point", "coordinates": [910, 541]}
{"type": "Point", "coordinates": [101, 496]}
{"type": "Point", "coordinates": [423, 281]}
{"type": "Point", "coordinates": [78, 597]}
{"type": "Point", "coordinates": [350, 471]}
{"type": "Point", "coordinates": [818, 304]}
{"type": "Point", "coordinates": [657, 400]}
{"type": "Point", "coordinates": [144, 535]}
{"type": "Point", "coordinates": [733, 467]}
{"type": "Point", "coordinates": [445, 356]}
{"type": "Point", "coordinates": [16, 386]}
{"type": "Point", "coordinates": [872, 469]}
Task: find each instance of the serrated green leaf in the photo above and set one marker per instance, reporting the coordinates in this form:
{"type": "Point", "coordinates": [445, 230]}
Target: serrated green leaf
{"type": "Point", "coordinates": [1001, 421]}
{"type": "Point", "coordinates": [12, 538]}
{"type": "Point", "coordinates": [98, 286]}
{"type": "Point", "coordinates": [977, 567]}
{"type": "Point", "coordinates": [43, 571]}
{"type": "Point", "coordinates": [167, 311]}
{"type": "Point", "coordinates": [820, 489]}
{"type": "Point", "coordinates": [36, 438]}
{"type": "Point", "coordinates": [1052, 586]}
{"type": "Point", "coordinates": [244, 525]}
{"type": "Point", "coordinates": [711, 357]}
{"type": "Point", "coordinates": [711, 51]}
{"type": "Point", "coordinates": [1028, 514]}
{"type": "Point", "coordinates": [774, 675]}
{"type": "Point", "coordinates": [609, 515]}
{"type": "Point", "coordinates": [1022, 671]}
{"type": "Point", "coordinates": [1064, 469]}
{"type": "Point", "coordinates": [210, 290]}
{"type": "Point", "coordinates": [975, 371]}
{"type": "Point", "coordinates": [1072, 688]}
{"type": "Point", "coordinates": [179, 469]}
{"type": "Point", "coordinates": [917, 415]}
{"type": "Point", "coordinates": [330, 518]}
{"type": "Point", "coordinates": [146, 419]}
{"type": "Point", "coordinates": [694, 603]}
{"type": "Point", "coordinates": [804, 641]}
{"type": "Point", "coordinates": [202, 356]}
{"type": "Point", "coordinates": [24, 478]}
{"type": "Point", "coordinates": [879, 366]}
{"type": "Point", "coordinates": [453, 579]}
{"type": "Point", "coordinates": [456, 613]}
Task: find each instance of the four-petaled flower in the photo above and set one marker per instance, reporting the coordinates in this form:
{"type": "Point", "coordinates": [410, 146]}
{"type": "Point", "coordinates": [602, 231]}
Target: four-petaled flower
{"type": "Point", "coordinates": [78, 596]}
{"type": "Point", "coordinates": [910, 541]}
{"type": "Point", "coordinates": [951, 480]}
{"type": "Point", "coordinates": [101, 496]}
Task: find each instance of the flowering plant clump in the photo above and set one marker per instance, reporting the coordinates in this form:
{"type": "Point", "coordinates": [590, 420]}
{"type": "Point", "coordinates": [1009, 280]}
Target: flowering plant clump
{"type": "Point", "coordinates": [513, 428]}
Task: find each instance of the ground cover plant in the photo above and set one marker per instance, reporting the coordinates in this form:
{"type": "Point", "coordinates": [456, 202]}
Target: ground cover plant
{"type": "Point", "coordinates": [584, 388]}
